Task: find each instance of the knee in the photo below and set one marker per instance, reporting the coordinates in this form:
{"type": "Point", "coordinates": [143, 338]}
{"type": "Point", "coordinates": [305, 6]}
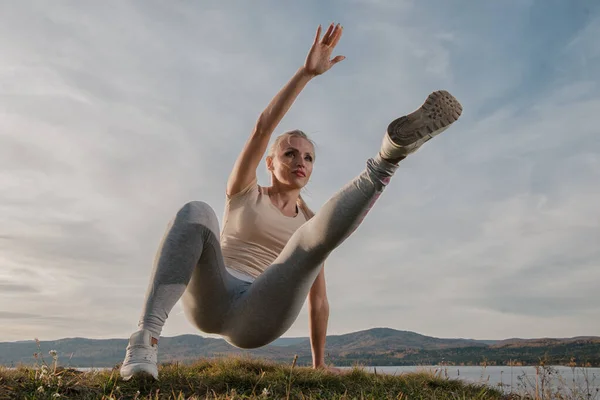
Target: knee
{"type": "Point", "coordinates": [195, 207]}
{"type": "Point", "coordinates": [312, 243]}
{"type": "Point", "coordinates": [197, 213]}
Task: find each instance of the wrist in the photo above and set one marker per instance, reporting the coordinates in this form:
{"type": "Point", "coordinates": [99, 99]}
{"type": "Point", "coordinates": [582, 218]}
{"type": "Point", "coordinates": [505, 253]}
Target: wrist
{"type": "Point", "coordinates": [319, 364]}
{"type": "Point", "coordinates": [305, 74]}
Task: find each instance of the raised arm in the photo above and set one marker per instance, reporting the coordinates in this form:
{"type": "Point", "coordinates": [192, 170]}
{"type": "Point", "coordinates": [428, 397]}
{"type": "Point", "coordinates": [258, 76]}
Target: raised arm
{"type": "Point", "coordinates": [317, 62]}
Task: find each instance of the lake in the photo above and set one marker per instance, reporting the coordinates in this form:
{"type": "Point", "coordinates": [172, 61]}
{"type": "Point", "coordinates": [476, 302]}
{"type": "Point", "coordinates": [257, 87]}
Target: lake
{"type": "Point", "coordinates": [515, 379]}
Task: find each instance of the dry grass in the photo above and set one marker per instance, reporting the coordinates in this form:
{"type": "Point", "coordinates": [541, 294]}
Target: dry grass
{"type": "Point", "coordinates": [233, 378]}
{"type": "Point", "coordinates": [246, 378]}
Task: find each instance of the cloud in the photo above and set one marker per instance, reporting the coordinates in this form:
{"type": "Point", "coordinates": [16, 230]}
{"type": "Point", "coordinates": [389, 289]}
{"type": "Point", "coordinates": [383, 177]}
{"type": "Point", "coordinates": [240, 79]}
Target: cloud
{"type": "Point", "coordinates": [17, 316]}
{"type": "Point", "coordinates": [9, 287]}
{"type": "Point", "coordinates": [114, 115]}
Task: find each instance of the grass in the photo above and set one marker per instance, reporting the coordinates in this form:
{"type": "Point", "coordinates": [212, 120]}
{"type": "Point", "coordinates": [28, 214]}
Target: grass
{"type": "Point", "coordinates": [233, 378]}
{"type": "Point", "coordinates": [542, 387]}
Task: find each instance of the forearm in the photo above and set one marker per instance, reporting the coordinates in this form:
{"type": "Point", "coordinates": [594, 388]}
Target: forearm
{"type": "Point", "coordinates": [281, 103]}
{"type": "Point", "coordinates": [318, 310]}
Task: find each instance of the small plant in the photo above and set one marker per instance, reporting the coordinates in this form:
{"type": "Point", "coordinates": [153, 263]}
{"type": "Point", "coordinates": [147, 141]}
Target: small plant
{"type": "Point", "coordinates": [548, 383]}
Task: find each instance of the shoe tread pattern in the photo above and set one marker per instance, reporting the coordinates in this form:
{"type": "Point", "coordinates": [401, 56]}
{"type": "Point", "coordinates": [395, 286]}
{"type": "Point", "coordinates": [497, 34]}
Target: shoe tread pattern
{"type": "Point", "coordinates": [437, 112]}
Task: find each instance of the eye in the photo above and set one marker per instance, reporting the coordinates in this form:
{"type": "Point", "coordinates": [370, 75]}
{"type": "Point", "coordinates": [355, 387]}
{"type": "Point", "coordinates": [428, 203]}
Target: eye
{"type": "Point", "coordinates": [308, 158]}
{"type": "Point", "coordinates": [289, 153]}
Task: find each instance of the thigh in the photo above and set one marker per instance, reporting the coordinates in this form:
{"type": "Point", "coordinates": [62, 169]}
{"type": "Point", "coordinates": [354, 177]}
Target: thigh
{"type": "Point", "coordinates": [211, 290]}
{"type": "Point", "coordinates": [271, 304]}
{"type": "Point", "coordinates": [268, 307]}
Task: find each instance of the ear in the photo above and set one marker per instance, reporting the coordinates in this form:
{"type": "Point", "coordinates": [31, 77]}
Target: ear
{"type": "Point", "coordinates": [269, 161]}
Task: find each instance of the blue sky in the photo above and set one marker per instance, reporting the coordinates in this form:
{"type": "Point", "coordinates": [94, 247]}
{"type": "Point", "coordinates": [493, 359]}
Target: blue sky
{"type": "Point", "coordinates": [114, 114]}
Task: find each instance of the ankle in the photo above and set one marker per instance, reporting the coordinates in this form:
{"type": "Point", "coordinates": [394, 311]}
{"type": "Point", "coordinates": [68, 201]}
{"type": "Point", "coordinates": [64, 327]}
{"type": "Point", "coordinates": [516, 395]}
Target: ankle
{"type": "Point", "coordinates": [392, 152]}
{"type": "Point", "coordinates": [393, 160]}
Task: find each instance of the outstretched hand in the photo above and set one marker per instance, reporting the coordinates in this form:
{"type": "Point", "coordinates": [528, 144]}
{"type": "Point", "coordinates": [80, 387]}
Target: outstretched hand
{"type": "Point", "coordinates": [318, 60]}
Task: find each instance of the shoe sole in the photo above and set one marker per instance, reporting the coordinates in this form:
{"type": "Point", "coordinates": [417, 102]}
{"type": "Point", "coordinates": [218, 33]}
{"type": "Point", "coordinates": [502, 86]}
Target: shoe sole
{"type": "Point", "coordinates": [139, 371]}
{"type": "Point", "coordinates": [437, 113]}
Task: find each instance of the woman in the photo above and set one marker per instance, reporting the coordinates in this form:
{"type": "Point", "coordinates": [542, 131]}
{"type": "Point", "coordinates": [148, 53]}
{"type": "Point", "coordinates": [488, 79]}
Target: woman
{"type": "Point", "coordinates": [249, 285]}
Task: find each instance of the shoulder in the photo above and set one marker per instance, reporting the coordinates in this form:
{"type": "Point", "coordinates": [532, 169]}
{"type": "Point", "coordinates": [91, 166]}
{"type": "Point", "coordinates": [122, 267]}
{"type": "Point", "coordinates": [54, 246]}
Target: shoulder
{"type": "Point", "coordinates": [250, 191]}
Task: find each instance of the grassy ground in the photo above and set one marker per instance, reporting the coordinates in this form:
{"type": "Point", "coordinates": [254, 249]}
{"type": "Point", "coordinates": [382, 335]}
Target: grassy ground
{"type": "Point", "coordinates": [233, 378]}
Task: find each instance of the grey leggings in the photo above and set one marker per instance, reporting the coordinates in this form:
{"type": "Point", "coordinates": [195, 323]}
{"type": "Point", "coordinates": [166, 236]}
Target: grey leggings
{"type": "Point", "coordinates": [189, 263]}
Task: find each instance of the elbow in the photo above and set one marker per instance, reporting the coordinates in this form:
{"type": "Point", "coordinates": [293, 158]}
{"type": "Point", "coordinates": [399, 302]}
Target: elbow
{"type": "Point", "coordinates": [265, 125]}
{"type": "Point", "coordinates": [261, 127]}
{"type": "Point", "coordinates": [325, 307]}
{"type": "Point", "coordinates": [319, 304]}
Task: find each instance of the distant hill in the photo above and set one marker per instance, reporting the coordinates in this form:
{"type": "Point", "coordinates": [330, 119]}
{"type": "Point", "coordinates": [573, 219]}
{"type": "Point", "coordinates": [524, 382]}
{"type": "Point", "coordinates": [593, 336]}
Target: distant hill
{"type": "Point", "coordinates": [378, 346]}
{"type": "Point", "coordinates": [288, 341]}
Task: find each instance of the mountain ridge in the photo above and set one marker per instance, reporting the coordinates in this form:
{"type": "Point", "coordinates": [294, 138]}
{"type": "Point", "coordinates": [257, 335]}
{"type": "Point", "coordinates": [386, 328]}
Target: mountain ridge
{"type": "Point", "coordinates": [376, 346]}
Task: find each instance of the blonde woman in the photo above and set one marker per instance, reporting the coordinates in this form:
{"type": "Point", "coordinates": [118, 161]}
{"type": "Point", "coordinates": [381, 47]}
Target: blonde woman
{"type": "Point", "coordinates": [248, 282]}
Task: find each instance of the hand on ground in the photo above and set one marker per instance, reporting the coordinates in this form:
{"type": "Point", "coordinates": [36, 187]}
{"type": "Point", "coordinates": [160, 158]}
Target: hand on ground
{"type": "Point", "coordinates": [332, 370]}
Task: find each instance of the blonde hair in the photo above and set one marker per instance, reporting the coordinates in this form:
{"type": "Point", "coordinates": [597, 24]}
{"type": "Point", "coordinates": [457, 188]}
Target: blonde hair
{"type": "Point", "coordinates": [286, 136]}
{"type": "Point", "coordinates": [308, 213]}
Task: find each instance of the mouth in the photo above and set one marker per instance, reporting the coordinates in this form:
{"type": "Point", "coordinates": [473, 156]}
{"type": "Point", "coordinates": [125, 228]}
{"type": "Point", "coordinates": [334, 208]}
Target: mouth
{"type": "Point", "coordinates": [299, 173]}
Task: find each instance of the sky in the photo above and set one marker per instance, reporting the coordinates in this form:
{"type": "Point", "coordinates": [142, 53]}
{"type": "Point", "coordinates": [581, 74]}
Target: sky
{"type": "Point", "coordinates": [114, 114]}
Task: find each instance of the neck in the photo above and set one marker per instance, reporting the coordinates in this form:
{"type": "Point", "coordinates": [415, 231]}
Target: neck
{"type": "Point", "coordinates": [285, 199]}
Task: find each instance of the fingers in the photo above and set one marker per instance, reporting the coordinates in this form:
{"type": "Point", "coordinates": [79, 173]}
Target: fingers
{"type": "Point", "coordinates": [337, 34]}
{"type": "Point", "coordinates": [318, 34]}
{"type": "Point", "coordinates": [337, 59]}
{"type": "Point", "coordinates": [336, 371]}
{"type": "Point", "coordinates": [327, 36]}
{"type": "Point", "coordinates": [333, 35]}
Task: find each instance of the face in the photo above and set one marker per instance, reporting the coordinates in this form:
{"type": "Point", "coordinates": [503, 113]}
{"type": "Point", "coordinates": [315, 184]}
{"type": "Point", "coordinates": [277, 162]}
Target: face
{"type": "Point", "coordinates": [292, 163]}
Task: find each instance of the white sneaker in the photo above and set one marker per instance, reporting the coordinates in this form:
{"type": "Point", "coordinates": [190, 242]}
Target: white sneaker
{"type": "Point", "coordinates": [141, 356]}
{"type": "Point", "coordinates": [406, 134]}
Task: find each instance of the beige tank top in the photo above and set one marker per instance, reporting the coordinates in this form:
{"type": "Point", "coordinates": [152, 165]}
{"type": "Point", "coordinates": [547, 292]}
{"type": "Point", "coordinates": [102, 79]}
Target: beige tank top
{"type": "Point", "coordinates": [255, 230]}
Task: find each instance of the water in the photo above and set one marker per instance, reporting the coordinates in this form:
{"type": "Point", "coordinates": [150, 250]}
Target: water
{"type": "Point", "coordinates": [512, 379]}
